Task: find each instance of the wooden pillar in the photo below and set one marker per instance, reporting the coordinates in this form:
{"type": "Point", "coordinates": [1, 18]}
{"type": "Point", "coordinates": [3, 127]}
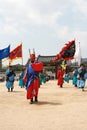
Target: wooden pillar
{"type": "Point", "coordinates": [56, 69]}
{"type": "Point", "coordinates": [0, 64]}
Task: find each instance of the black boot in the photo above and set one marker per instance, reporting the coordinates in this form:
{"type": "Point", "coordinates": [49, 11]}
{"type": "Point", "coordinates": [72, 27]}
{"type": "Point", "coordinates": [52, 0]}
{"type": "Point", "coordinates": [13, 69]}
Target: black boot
{"type": "Point", "coordinates": [31, 101]}
{"type": "Point", "coordinates": [75, 85]}
{"type": "Point", "coordinates": [36, 100]}
{"type": "Point", "coordinates": [11, 89]}
{"type": "Point", "coordinates": [61, 86]}
{"type": "Point", "coordinates": [8, 89]}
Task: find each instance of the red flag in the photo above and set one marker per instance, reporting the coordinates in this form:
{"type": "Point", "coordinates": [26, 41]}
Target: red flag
{"type": "Point", "coordinates": [16, 53]}
{"type": "Point", "coordinates": [67, 52]}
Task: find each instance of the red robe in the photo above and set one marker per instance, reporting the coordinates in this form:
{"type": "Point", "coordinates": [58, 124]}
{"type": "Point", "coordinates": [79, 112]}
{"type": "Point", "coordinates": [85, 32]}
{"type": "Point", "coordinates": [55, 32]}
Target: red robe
{"type": "Point", "coordinates": [33, 84]}
{"type": "Point", "coordinates": [60, 74]}
{"type": "Point", "coordinates": [33, 89]}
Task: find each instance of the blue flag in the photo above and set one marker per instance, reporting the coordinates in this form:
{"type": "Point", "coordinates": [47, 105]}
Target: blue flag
{"type": "Point", "coordinates": [4, 53]}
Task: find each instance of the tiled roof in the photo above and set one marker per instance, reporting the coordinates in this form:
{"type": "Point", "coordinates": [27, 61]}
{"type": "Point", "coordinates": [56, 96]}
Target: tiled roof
{"type": "Point", "coordinates": [45, 58]}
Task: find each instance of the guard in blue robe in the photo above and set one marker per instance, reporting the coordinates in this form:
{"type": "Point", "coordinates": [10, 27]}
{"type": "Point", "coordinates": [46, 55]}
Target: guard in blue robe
{"type": "Point", "coordinates": [74, 78]}
{"type": "Point", "coordinates": [42, 78]}
{"type": "Point", "coordinates": [66, 78]}
{"type": "Point", "coordinates": [31, 79]}
{"type": "Point", "coordinates": [81, 77]}
{"type": "Point", "coordinates": [10, 75]}
{"type": "Point", "coordinates": [21, 81]}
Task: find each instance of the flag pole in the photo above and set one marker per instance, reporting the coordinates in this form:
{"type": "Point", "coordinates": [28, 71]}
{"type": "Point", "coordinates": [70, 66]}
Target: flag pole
{"type": "Point", "coordinates": [79, 62]}
{"type": "Point", "coordinates": [9, 58]}
{"type": "Point", "coordinates": [22, 53]}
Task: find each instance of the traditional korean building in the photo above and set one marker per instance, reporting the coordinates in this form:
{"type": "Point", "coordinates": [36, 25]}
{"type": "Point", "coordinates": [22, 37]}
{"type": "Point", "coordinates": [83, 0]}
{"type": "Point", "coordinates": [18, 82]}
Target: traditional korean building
{"type": "Point", "coordinates": [49, 66]}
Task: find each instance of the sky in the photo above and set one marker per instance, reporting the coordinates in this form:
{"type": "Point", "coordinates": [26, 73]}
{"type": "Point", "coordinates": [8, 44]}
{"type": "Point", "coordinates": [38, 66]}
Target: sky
{"type": "Point", "coordinates": [45, 25]}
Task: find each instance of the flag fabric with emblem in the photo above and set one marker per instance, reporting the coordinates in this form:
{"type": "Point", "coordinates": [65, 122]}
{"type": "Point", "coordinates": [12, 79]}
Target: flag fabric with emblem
{"type": "Point", "coordinates": [16, 53]}
{"type": "Point", "coordinates": [67, 52]}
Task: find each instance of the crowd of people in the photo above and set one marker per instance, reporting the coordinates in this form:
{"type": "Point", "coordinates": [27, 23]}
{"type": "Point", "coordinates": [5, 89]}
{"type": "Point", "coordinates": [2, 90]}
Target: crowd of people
{"type": "Point", "coordinates": [78, 79]}
{"type": "Point", "coordinates": [33, 76]}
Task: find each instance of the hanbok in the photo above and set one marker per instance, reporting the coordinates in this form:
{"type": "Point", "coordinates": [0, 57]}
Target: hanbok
{"type": "Point", "coordinates": [74, 78]}
{"type": "Point", "coordinates": [10, 75]}
{"type": "Point", "coordinates": [21, 81]}
{"type": "Point", "coordinates": [60, 74]}
{"type": "Point", "coordinates": [31, 79]}
{"type": "Point", "coordinates": [81, 79]}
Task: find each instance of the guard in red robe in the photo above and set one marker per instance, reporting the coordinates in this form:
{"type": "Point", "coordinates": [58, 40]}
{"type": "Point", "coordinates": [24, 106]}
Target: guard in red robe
{"type": "Point", "coordinates": [31, 79]}
{"type": "Point", "coordinates": [60, 75]}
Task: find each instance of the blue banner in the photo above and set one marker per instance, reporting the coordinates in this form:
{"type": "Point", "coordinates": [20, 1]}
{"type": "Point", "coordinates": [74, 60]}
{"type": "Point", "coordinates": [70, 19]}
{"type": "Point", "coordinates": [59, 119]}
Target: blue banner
{"type": "Point", "coordinates": [4, 53]}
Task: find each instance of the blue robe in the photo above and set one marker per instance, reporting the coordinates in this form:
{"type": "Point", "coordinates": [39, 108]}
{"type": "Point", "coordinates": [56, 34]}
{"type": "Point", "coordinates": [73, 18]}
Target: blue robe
{"type": "Point", "coordinates": [10, 79]}
{"type": "Point", "coordinates": [66, 78]}
{"type": "Point", "coordinates": [31, 75]}
{"type": "Point", "coordinates": [42, 77]}
{"type": "Point", "coordinates": [31, 79]}
{"type": "Point", "coordinates": [21, 81]}
{"type": "Point", "coordinates": [81, 79]}
{"type": "Point", "coordinates": [74, 79]}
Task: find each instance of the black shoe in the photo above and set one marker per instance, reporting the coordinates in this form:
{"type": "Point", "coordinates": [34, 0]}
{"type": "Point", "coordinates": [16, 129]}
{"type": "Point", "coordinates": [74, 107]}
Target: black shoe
{"type": "Point", "coordinates": [83, 89]}
{"type": "Point", "coordinates": [31, 101]}
{"type": "Point", "coordinates": [75, 85]}
{"type": "Point", "coordinates": [11, 89]}
{"type": "Point", "coordinates": [8, 89]}
{"type": "Point", "coordinates": [36, 100]}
